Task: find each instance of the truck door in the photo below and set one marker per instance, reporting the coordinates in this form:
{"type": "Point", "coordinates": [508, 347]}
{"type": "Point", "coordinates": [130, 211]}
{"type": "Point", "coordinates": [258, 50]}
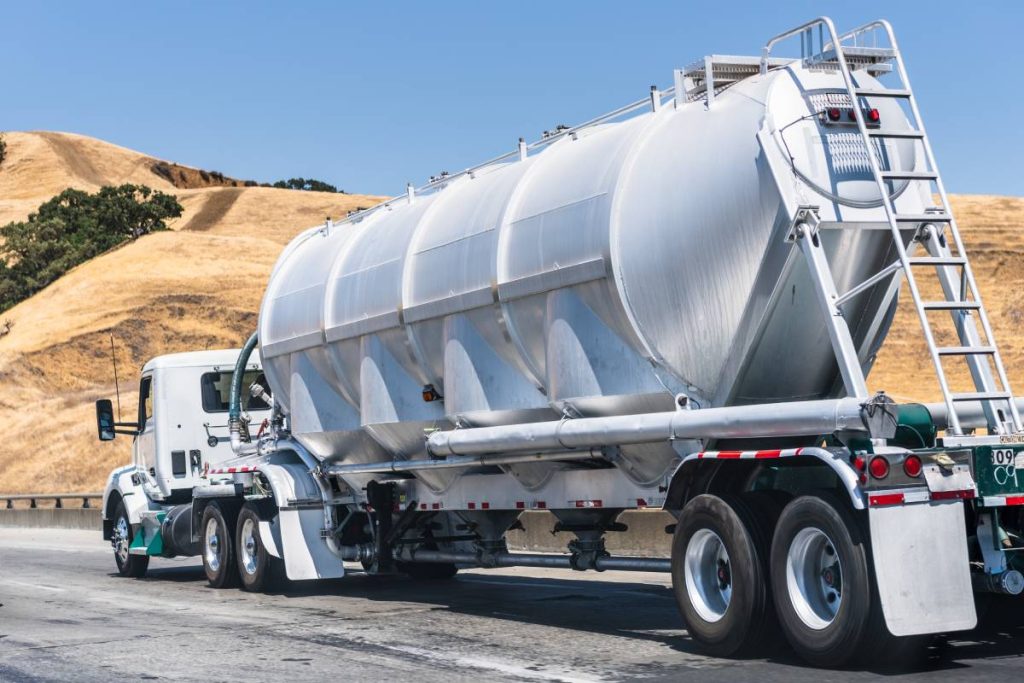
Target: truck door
{"type": "Point", "coordinates": [145, 442]}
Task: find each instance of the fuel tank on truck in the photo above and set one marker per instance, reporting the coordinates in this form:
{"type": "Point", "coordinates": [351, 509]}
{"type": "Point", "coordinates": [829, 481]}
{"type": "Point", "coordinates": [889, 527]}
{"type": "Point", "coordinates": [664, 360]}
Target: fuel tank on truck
{"type": "Point", "coordinates": [621, 266]}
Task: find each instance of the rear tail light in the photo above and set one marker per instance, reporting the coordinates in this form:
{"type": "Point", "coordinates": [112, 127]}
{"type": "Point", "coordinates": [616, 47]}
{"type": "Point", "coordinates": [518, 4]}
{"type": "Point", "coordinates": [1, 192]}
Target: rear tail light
{"type": "Point", "coordinates": [834, 114]}
{"type": "Point", "coordinates": [852, 114]}
{"type": "Point", "coordinates": [874, 116]}
{"type": "Point", "coordinates": [912, 466]}
{"type": "Point", "coordinates": [879, 467]}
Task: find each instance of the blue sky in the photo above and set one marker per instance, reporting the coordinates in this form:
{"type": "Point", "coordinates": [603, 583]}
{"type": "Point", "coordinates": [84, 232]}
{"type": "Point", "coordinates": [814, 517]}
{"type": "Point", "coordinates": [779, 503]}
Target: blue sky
{"type": "Point", "coordinates": [369, 96]}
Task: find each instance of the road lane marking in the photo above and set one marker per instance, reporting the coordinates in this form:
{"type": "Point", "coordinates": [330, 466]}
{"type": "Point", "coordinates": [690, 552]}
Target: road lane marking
{"type": "Point", "coordinates": [488, 664]}
{"type": "Point", "coordinates": [32, 585]}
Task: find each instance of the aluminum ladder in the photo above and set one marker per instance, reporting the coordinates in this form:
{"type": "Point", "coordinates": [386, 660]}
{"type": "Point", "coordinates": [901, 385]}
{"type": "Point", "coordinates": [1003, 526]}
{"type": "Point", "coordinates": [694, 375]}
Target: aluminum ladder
{"type": "Point", "coordinates": [961, 296]}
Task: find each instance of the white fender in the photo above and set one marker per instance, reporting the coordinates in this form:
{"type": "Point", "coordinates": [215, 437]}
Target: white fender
{"type": "Point", "coordinates": [134, 496]}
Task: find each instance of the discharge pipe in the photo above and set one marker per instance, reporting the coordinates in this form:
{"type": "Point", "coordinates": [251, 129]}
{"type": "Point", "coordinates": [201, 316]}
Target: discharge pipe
{"type": "Point", "coordinates": [235, 400]}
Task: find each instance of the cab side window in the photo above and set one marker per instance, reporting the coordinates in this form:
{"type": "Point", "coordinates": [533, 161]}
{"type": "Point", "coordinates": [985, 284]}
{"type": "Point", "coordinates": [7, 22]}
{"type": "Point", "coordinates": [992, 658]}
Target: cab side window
{"type": "Point", "coordinates": [145, 401]}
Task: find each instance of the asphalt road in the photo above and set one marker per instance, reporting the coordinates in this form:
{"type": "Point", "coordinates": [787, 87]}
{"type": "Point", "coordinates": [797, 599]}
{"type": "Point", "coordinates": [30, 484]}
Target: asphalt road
{"type": "Point", "coordinates": [66, 616]}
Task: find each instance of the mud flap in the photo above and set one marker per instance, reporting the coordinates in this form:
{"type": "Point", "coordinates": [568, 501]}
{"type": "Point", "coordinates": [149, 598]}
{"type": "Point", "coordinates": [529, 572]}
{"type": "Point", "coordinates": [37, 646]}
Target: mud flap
{"type": "Point", "coordinates": [921, 567]}
{"type": "Point", "coordinates": [306, 555]}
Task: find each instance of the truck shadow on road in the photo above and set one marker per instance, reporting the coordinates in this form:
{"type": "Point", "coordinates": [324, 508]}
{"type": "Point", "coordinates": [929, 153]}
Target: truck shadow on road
{"type": "Point", "coordinates": [621, 609]}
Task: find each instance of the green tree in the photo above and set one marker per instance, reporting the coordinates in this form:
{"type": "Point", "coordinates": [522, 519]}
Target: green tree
{"type": "Point", "coordinates": [72, 228]}
{"type": "Point", "coordinates": [306, 184]}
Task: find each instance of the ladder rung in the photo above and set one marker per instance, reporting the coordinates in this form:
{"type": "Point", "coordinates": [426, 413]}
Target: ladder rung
{"type": "Point", "coordinates": [881, 133]}
{"type": "Point", "coordinates": [982, 396]}
{"type": "Point", "coordinates": [866, 92]}
{"type": "Point", "coordinates": [937, 261]}
{"type": "Point", "coordinates": [950, 305]}
{"type": "Point", "coordinates": [909, 175]}
{"type": "Point", "coordinates": [966, 350]}
{"type": "Point", "coordinates": [924, 218]}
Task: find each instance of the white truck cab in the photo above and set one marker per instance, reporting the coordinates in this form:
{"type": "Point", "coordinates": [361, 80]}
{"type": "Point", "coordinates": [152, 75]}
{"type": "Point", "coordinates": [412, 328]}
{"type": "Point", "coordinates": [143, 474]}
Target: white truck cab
{"type": "Point", "coordinates": [180, 429]}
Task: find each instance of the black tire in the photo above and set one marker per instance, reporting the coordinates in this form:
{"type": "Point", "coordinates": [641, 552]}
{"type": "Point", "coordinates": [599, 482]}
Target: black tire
{"type": "Point", "coordinates": [811, 531]}
{"type": "Point", "coordinates": [258, 570]}
{"type": "Point", "coordinates": [128, 565]}
{"type": "Point", "coordinates": [741, 624]}
{"type": "Point", "coordinates": [427, 571]}
{"type": "Point", "coordinates": [218, 547]}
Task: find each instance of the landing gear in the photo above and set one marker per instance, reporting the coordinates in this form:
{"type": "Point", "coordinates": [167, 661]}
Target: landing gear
{"type": "Point", "coordinates": [218, 548]}
{"type": "Point", "coordinates": [134, 566]}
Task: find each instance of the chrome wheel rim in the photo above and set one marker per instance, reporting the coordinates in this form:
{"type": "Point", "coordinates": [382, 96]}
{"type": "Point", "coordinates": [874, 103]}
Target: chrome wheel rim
{"type": "Point", "coordinates": [120, 541]}
{"type": "Point", "coordinates": [814, 578]}
{"type": "Point", "coordinates": [708, 575]}
{"type": "Point", "coordinates": [211, 545]}
{"type": "Point", "coordinates": [247, 547]}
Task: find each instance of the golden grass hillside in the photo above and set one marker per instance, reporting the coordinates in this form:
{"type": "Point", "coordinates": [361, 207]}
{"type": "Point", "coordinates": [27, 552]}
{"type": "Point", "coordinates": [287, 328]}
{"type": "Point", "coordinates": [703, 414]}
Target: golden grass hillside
{"type": "Point", "coordinates": [196, 287]}
{"type": "Point", "coordinates": [199, 287]}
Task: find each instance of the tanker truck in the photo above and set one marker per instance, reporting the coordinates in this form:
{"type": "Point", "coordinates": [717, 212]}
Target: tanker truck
{"type": "Point", "coordinates": [673, 306]}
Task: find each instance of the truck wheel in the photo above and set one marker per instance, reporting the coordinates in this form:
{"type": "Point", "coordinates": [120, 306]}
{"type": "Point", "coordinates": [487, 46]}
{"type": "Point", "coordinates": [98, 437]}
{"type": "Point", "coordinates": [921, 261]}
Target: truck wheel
{"type": "Point", "coordinates": [218, 548]}
{"type": "Point", "coordinates": [430, 571]}
{"type": "Point", "coordinates": [257, 568]}
{"type": "Point", "coordinates": [820, 579]}
{"type": "Point", "coordinates": [134, 566]}
{"type": "Point", "coordinates": [719, 570]}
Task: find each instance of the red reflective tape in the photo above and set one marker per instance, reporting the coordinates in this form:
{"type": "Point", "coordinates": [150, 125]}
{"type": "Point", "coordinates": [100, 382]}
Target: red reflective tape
{"type": "Point", "coordinates": [485, 506]}
{"type": "Point", "coordinates": [768, 454]}
{"type": "Point", "coordinates": [520, 505]}
{"type": "Point", "coordinates": [471, 506]}
{"type": "Point", "coordinates": [955, 495]}
{"type": "Point", "coordinates": [1015, 500]}
{"type": "Point", "coordinates": [886, 499]}
{"type": "Point", "coordinates": [231, 470]}
{"type": "Point", "coordinates": [435, 506]}
{"type": "Point", "coordinates": [729, 454]}
{"type": "Point", "coordinates": [423, 506]}
{"type": "Point", "coordinates": [641, 503]}
{"type": "Point", "coordinates": [540, 505]}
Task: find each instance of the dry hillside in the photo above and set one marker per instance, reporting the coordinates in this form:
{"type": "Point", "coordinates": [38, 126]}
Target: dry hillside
{"type": "Point", "coordinates": [200, 285]}
{"type": "Point", "coordinates": [196, 287]}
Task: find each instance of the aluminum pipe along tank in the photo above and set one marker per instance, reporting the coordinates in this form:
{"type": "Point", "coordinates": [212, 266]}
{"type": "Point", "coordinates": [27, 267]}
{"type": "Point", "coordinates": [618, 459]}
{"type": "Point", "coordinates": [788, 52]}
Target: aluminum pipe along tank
{"type": "Point", "coordinates": [801, 418]}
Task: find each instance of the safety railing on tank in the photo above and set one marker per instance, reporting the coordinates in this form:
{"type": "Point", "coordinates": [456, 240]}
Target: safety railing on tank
{"type": "Point", "coordinates": [58, 499]}
{"type": "Point", "coordinates": [825, 43]}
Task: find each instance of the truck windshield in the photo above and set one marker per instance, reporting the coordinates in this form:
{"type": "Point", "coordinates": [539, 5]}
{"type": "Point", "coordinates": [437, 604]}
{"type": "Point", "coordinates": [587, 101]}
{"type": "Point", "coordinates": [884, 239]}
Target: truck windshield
{"type": "Point", "coordinates": [216, 388]}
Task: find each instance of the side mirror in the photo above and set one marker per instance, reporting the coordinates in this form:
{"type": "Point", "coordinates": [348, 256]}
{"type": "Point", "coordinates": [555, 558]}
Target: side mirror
{"type": "Point", "coordinates": [105, 419]}
{"type": "Point", "coordinates": [105, 425]}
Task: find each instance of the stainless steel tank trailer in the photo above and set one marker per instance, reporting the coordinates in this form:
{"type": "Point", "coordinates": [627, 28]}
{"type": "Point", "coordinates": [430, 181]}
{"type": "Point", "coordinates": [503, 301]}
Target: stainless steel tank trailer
{"type": "Point", "coordinates": [670, 306]}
